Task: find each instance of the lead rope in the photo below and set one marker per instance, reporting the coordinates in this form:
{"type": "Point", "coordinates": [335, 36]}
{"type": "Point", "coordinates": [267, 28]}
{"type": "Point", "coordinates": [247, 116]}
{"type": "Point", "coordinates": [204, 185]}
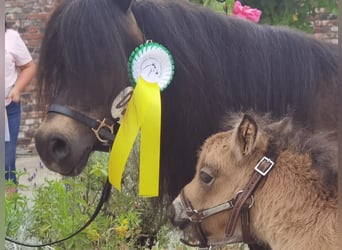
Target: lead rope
{"type": "Point", "coordinates": [104, 198]}
{"type": "Point", "coordinates": [101, 130]}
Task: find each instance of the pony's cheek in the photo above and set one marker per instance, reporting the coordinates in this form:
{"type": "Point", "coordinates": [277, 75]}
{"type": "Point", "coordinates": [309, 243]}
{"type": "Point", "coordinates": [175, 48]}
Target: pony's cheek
{"type": "Point", "coordinates": [215, 224]}
{"type": "Point", "coordinates": [214, 228]}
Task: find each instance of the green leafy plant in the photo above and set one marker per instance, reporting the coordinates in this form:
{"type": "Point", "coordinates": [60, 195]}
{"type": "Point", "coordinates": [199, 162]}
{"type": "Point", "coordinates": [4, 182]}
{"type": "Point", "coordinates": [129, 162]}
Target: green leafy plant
{"type": "Point", "coordinates": [292, 13]}
{"type": "Point", "coordinates": [62, 206]}
{"type": "Point", "coordinates": [15, 212]}
{"type": "Point", "coordinates": [224, 6]}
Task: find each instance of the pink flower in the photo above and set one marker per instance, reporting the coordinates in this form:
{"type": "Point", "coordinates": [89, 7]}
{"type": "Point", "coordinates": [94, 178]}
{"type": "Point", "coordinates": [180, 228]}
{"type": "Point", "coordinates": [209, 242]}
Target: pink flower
{"type": "Point", "coordinates": [246, 12]}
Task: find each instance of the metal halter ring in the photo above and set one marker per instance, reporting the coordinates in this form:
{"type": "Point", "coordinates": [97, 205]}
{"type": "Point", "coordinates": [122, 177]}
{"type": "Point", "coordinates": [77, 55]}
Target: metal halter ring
{"type": "Point", "coordinates": [251, 198]}
{"type": "Point", "coordinates": [102, 124]}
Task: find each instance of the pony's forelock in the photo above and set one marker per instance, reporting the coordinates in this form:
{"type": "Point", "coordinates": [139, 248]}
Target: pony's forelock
{"type": "Point", "coordinates": [84, 40]}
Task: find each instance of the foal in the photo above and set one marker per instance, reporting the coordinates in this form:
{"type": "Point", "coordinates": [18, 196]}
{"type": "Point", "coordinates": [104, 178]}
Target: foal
{"type": "Point", "coordinates": [293, 206]}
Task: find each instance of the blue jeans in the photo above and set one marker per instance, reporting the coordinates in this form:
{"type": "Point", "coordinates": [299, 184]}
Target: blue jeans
{"type": "Point", "coordinates": [14, 118]}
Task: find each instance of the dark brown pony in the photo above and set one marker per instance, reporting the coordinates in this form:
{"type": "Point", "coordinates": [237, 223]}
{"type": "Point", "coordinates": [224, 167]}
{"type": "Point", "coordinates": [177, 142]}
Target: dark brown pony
{"type": "Point", "coordinates": [222, 64]}
{"type": "Point", "coordinates": [262, 181]}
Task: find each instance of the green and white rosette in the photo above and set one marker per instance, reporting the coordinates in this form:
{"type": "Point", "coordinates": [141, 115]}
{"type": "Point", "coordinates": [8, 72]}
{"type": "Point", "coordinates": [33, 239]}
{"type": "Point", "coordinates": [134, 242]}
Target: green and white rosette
{"type": "Point", "coordinates": [151, 69]}
{"type": "Point", "coordinates": [153, 62]}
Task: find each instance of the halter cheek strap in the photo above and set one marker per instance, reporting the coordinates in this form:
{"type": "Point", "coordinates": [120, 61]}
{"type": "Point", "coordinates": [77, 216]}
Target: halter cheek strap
{"type": "Point", "coordinates": [261, 170]}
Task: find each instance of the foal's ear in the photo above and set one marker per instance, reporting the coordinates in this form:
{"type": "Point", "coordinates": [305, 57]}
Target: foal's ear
{"type": "Point", "coordinates": [246, 134]}
{"type": "Point", "coordinates": [124, 4]}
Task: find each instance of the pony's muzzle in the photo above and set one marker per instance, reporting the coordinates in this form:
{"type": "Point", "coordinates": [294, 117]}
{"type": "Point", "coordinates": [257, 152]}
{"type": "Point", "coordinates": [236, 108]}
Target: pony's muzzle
{"type": "Point", "coordinates": [55, 148]}
{"type": "Point", "coordinates": [178, 215]}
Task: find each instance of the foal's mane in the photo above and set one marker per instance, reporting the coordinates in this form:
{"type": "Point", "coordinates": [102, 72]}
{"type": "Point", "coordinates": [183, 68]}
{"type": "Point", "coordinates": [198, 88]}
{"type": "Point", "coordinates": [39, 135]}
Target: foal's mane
{"type": "Point", "coordinates": [286, 134]}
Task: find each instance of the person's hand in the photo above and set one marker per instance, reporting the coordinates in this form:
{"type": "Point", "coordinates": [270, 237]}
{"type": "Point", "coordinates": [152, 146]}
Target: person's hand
{"type": "Point", "coordinates": [7, 101]}
{"type": "Point", "coordinates": [13, 95]}
{"type": "Point", "coordinates": [27, 72]}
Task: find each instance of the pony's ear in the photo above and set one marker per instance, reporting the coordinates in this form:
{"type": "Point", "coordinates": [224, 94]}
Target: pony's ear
{"type": "Point", "coordinates": [124, 4]}
{"type": "Point", "coordinates": [246, 134]}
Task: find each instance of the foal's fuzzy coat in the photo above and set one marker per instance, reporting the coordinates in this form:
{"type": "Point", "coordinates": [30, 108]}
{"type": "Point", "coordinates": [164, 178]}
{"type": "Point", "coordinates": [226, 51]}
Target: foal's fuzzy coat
{"type": "Point", "coordinates": [296, 206]}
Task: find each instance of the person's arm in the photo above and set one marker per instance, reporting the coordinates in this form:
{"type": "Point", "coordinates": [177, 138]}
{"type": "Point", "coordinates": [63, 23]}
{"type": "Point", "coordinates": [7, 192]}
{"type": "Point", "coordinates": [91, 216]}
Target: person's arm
{"type": "Point", "coordinates": [26, 74]}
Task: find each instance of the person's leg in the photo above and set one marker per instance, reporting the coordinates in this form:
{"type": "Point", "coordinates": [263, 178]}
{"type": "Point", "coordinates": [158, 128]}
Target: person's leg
{"type": "Point", "coordinates": [14, 118]}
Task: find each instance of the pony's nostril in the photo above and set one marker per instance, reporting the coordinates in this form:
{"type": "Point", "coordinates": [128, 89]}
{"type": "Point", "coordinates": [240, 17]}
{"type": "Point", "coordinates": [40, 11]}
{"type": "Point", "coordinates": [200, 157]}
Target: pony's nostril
{"type": "Point", "coordinates": [58, 147]}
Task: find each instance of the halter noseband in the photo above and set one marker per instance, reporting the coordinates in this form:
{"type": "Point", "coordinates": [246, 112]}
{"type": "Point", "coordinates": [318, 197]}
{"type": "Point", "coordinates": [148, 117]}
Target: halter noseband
{"type": "Point", "coordinates": [104, 132]}
{"type": "Point", "coordinates": [239, 205]}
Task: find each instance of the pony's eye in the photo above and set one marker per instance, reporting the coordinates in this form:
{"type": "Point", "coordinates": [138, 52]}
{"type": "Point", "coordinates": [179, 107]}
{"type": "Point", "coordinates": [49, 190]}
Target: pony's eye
{"type": "Point", "coordinates": [205, 177]}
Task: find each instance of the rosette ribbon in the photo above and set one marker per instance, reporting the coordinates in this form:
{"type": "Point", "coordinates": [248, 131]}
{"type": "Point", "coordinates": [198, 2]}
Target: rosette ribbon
{"type": "Point", "coordinates": [143, 114]}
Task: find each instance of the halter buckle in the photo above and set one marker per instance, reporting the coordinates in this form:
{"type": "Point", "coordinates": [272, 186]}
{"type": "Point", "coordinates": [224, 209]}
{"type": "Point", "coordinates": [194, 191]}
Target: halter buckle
{"type": "Point", "coordinates": [102, 124]}
{"type": "Point", "coordinates": [195, 216]}
{"type": "Point", "coordinates": [264, 166]}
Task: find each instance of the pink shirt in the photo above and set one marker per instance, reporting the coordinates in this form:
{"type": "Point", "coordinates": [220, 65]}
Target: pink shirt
{"type": "Point", "coordinates": [16, 54]}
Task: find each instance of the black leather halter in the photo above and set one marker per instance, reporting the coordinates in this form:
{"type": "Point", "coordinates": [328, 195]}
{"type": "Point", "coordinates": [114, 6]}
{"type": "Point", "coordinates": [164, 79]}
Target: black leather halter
{"type": "Point", "coordinates": [104, 132]}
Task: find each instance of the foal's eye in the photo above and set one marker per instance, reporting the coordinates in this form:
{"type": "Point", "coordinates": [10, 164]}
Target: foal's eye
{"type": "Point", "coordinates": [205, 177]}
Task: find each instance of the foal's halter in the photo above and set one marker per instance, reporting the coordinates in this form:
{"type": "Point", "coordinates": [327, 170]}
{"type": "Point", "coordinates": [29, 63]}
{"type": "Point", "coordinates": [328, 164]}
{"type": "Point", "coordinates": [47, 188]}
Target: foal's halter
{"type": "Point", "coordinates": [240, 204]}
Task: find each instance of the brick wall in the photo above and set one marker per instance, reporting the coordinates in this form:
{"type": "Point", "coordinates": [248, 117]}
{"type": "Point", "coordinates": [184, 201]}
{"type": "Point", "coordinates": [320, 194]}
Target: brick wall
{"type": "Point", "coordinates": [325, 26]}
{"type": "Point", "coordinates": [29, 18]}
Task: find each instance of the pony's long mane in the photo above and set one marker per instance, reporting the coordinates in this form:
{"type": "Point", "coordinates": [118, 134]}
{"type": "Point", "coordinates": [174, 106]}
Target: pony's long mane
{"type": "Point", "coordinates": [226, 53]}
{"type": "Point", "coordinates": [286, 134]}
{"type": "Point", "coordinates": [87, 39]}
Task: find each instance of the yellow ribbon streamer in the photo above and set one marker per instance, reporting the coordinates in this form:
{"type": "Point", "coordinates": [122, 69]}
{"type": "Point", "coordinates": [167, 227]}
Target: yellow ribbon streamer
{"type": "Point", "coordinates": [143, 113]}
